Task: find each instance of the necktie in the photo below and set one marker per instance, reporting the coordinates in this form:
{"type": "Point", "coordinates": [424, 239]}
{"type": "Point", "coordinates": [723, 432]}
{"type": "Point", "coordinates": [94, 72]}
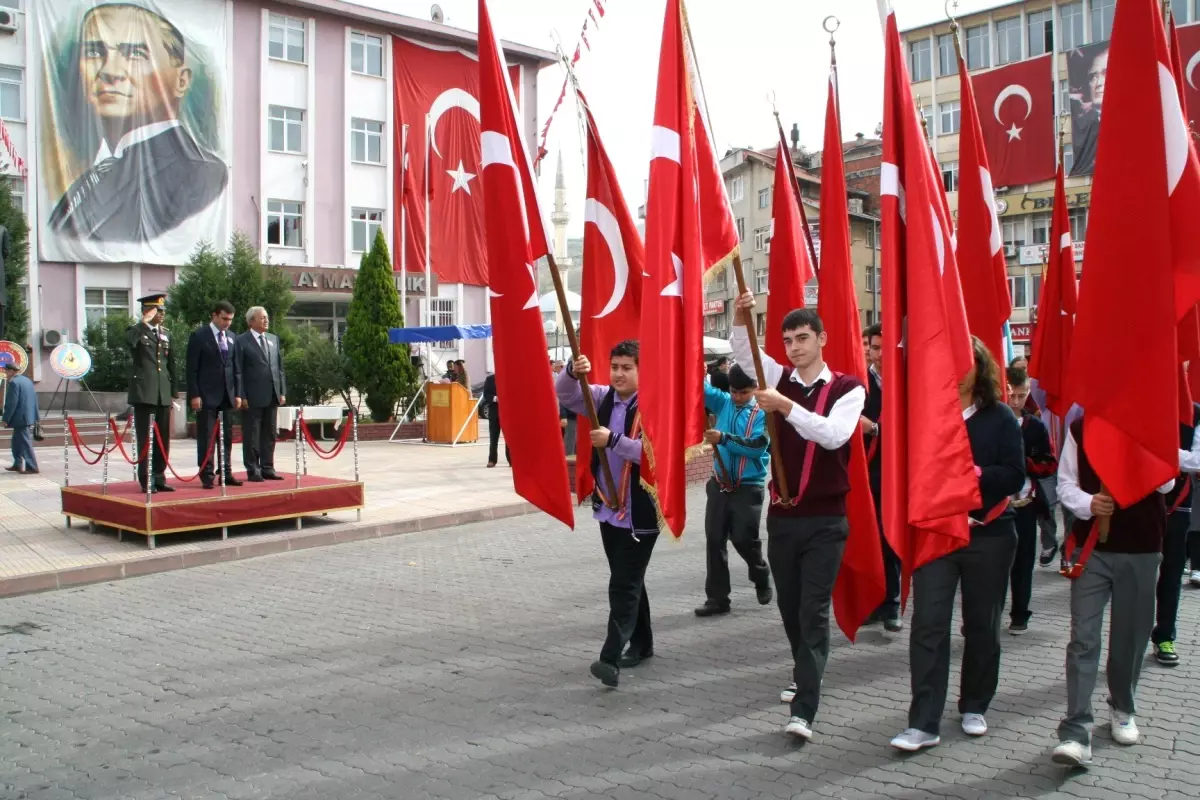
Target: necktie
{"type": "Point", "coordinates": [221, 343]}
{"type": "Point", "coordinates": [262, 342]}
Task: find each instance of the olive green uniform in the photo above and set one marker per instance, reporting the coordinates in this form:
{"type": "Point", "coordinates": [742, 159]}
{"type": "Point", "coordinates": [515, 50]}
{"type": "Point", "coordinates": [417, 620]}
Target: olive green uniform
{"type": "Point", "coordinates": [151, 386]}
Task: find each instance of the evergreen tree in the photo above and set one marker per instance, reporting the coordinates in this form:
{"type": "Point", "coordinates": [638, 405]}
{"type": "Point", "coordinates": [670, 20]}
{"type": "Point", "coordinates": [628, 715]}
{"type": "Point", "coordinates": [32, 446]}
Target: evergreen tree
{"type": "Point", "coordinates": [380, 370]}
{"type": "Point", "coordinates": [16, 319]}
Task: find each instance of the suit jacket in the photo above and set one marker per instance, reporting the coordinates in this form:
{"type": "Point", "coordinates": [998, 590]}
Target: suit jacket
{"type": "Point", "coordinates": [260, 380]}
{"type": "Point", "coordinates": [209, 376]}
{"type": "Point", "coordinates": [156, 185]}
{"type": "Point", "coordinates": [152, 373]}
{"type": "Point", "coordinates": [20, 403]}
{"type": "Point", "coordinates": [489, 391]}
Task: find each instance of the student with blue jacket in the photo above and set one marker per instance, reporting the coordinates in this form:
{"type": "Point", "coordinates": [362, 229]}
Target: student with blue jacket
{"type": "Point", "coordinates": [735, 490]}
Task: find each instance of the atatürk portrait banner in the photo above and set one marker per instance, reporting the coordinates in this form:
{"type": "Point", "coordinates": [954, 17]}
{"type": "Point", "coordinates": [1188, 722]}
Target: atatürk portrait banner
{"type": "Point", "coordinates": [134, 129]}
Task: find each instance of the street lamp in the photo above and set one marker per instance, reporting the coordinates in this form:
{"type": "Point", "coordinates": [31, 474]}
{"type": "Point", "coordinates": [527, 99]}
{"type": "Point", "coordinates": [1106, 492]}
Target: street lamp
{"type": "Point", "coordinates": [550, 327]}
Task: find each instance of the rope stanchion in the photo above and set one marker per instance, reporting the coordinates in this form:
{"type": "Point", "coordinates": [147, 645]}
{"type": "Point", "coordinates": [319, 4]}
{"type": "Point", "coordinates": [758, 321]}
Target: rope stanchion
{"type": "Point", "coordinates": [107, 452]}
{"type": "Point", "coordinates": [80, 445]}
{"type": "Point", "coordinates": [67, 466]}
{"type": "Point", "coordinates": [149, 487]}
{"type": "Point", "coordinates": [336, 450]}
{"type": "Point", "coordinates": [303, 450]}
{"type": "Point", "coordinates": [354, 421]}
{"type": "Point", "coordinates": [296, 439]}
{"type": "Point", "coordinates": [212, 444]}
{"type": "Point", "coordinates": [222, 467]}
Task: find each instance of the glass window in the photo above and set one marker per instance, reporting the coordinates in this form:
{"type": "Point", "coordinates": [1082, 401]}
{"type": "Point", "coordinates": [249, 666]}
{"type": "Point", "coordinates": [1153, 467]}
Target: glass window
{"type": "Point", "coordinates": [760, 323]}
{"type": "Point", "coordinates": [761, 237]}
{"type": "Point", "coordinates": [950, 176]}
{"type": "Point", "coordinates": [1102, 19]}
{"type": "Point", "coordinates": [979, 48]}
{"type": "Point", "coordinates": [1013, 232]}
{"type": "Point", "coordinates": [741, 228]}
{"type": "Point", "coordinates": [1035, 291]}
{"type": "Point", "coordinates": [1064, 97]}
{"type": "Point", "coordinates": [737, 188]}
{"type": "Point", "coordinates": [101, 303]}
{"type": "Point", "coordinates": [1040, 25]}
{"type": "Point", "coordinates": [1041, 228]}
{"type": "Point", "coordinates": [869, 279]}
{"type": "Point", "coordinates": [1068, 158]}
{"type": "Point", "coordinates": [1070, 28]}
{"type": "Point", "coordinates": [285, 223]}
{"type": "Point", "coordinates": [286, 40]}
{"type": "Point", "coordinates": [366, 141]}
{"type": "Point", "coordinates": [11, 4]}
{"type": "Point", "coordinates": [1008, 40]}
{"type": "Point", "coordinates": [366, 54]}
{"type": "Point", "coordinates": [1016, 291]}
{"type": "Point", "coordinates": [764, 198]}
{"type": "Point", "coordinates": [919, 60]}
{"type": "Point", "coordinates": [364, 224]}
{"type": "Point", "coordinates": [760, 283]}
{"type": "Point", "coordinates": [11, 83]}
{"type": "Point", "coordinates": [285, 129]}
{"type": "Point", "coordinates": [927, 116]}
{"type": "Point", "coordinates": [947, 59]}
{"type": "Point", "coordinates": [16, 185]}
{"type": "Point", "coordinates": [950, 117]}
{"type": "Point", "coordinates": [1079, 221]}
{"type": "Point", "coordinates": [442, 314]}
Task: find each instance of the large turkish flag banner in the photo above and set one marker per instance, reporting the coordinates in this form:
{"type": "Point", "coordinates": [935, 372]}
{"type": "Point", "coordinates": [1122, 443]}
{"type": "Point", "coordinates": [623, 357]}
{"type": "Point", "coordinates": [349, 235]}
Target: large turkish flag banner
{"type": "Point", "coordinates": [1189, 57]}
{"type": "Point", "coordinates": [1016, 115]}
{"type": "Point", "coordinates": [439, 85]}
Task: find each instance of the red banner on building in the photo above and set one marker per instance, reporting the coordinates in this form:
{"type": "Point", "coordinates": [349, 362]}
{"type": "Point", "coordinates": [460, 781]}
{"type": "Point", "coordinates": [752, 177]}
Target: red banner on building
{"type": "Point", "coordinates": [1189, 57]}
{"type": "Point", "coordinates": [1016, 115]}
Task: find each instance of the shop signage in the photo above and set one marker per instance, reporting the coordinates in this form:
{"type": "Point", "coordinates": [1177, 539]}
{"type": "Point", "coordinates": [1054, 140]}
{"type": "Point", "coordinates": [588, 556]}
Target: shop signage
{"type": "Point", "coordinates": [1032, 202]}
{"type": "Point", "coordinates": [1033, 255]}
{"type": "Point", "coordinates": [714, 306]}
{"type": "Point", "coordinates": [1021, 331]}
{"type": "Point", "coordinates": [340, 280]}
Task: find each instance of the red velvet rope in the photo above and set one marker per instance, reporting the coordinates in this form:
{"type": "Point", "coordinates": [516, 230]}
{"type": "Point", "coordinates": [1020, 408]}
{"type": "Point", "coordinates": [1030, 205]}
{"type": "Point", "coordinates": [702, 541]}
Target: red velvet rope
{"type": "Point", "coordinates": [120, 444]}
{"type": "Point", "coordinates": [336, 450]}
{"type": "Point", "coordinates": [80, 445]}
{"type": "Point", "coordinates": [212, 445]}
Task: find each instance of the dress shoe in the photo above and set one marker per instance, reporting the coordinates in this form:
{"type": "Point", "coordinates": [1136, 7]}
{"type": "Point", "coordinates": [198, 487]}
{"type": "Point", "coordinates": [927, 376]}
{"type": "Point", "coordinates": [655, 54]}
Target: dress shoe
{"type": "Point", "coordinates": [271, 476]}
{"type": "Point", "coordinates": [255, 478]}
{"type": "Point", "coordinates": [28, 471]}
{"type": "Point", "coordinates": [232, 481]}
{"type": "Point", "coordinates": [162, 487]}
{"type": "Point", "coordinates": [207, 485]}
{"type": "Point", "coordinates": [608, 674]}
{"type": "Point", "coordinates": [634, 657]}
{"type": "Point", "coordinates": [15, 468]}
{"type": "Point", "coordinates": [764, 593]}
{"type": "Point", "coordinates": [712, 608]}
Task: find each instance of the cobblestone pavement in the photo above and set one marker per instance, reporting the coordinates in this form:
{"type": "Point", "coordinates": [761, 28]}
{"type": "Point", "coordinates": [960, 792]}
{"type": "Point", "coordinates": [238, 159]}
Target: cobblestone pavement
{"type": "Point", "coordinates": [453, 664]}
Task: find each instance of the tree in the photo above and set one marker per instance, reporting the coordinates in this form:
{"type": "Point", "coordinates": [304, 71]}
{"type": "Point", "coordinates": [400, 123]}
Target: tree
{"type": "Point", "coordinates": [16, 319]}
{"type": "Point", "coordinates": [379, 369]}
{"type": "Point", "coordinates": [315, 369]}
{"type": "Point", "coordinates": [111, 358]}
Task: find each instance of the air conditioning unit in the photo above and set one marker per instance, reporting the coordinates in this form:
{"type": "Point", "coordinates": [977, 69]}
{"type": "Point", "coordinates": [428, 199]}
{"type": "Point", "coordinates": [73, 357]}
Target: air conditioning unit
{"type": "Point", "coordinates": [8, 21]}
{"type": "Point", "coordinates": [1010, 250]}
{"type": "Point", "coordinates": [53, 337]}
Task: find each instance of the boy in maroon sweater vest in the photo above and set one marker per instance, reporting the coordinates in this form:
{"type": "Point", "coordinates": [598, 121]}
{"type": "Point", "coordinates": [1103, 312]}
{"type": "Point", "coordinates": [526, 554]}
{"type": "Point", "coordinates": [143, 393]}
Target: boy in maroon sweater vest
{"type": "Point", "coordinates": [817, 413]}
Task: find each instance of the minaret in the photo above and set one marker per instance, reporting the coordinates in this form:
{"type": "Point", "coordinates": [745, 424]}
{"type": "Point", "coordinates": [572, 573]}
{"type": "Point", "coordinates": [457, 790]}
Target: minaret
{"type": "Point", "coordinates": [560, 218]}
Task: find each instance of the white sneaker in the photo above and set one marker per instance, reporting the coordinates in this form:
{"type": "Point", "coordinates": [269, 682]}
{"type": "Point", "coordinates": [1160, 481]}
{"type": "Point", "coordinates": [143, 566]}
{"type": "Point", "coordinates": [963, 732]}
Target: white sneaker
{"type": "Point", "coordinates": [1124, 727]}
{"type": "Point", "coordinates": [913, 740]}
{"type": "Point", "coordinates": [788, 694]}
{"type": "Point", "coordinates": [1072, 754]}
{"type": "Point", "coordinates": [974, 724]}
{"type": "Point", "coordinates": [798, 727]}
{"type": "Point", "coordinates": [1194, 578]}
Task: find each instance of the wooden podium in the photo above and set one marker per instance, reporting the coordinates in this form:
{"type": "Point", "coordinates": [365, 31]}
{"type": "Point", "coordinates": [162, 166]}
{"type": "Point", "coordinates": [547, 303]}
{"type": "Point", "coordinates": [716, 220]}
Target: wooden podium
{"type": "Point", "coordinates": [449, 409]}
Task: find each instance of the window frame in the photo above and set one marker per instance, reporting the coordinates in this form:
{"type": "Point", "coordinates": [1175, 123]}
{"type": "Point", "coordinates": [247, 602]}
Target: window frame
{"type": "Point", "coordinates": [762, 280]}
{"type": "Point", "coordinates": [1016, 282]}
{"type": "Point", "coordinates": [762, 237]}
{"type": "Point", "coordinates": [364, 43]}
{"type": "Point", "coordinates": [949, 168]}
{"type": "Point", "coordinates": [1072, 30]}
{"type": "Point", "coordinates": [1099, 10]}
{"type": "Point", "coordinates": [1040, 223]}
{"type": "Point", "coordinates": [20, 86]}
{"type": "Point", "coordinates": [363, 215]}
{"type": "Point", "coordinates": [286, 123]}
{"type": "Point", "coordinates": [1074, 217]}
{"type": "Point", "coordinates": [955, 117]}
{"type": "Point", "coordinates": [764, 198]}
{"type": "Point", "coordinates": [1005, 28]}
{"type": "Point", "coordinates": [441, 309]}
{"type": "Point", "coordinates": [16, 187]}
{"type": "Point", "coordinates": [1044, 18]}
{"type": "Point", "coordinates": [947, 57]}
{"type": "Point", "coordinates": [737, 188]}
{"type": "Point", "coordinates": [979, 54]}
{"type": "Point", "coordinates": [283, 23]}
{"type": "Point", "coordinates": [365, 134]}
{"type": "Point", "coordinates": [283, 213]}
{"type": "Point", "coordinates": [920, 70]}
{"type": "Point", "coordinates": [106, 307]}
{"type": "Point", "coordinates": [1018, 227]}
{"type": "Point", "coordinates": [741, 230]}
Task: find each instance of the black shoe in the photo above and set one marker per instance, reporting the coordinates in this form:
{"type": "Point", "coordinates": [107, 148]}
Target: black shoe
{"type": "Point", "coordinates": [607, 673]}
{"type": "Point", "coordinates": [1047, 556]}
{"type": "Point", "coordinates": [765, 593]}
{"type": "Point", "coordinates": [893, 624]}
{"type": "Point", "coordinates": [1018, 628]}
{"type": "Point", "coordinates": [712, 608]}
{"type": "Point", "coordinates": [207, 485]}
{"type": "Point", "coordinates": [232, 481]}
{"type": "Point", "coordinates": [162, 487]}
{"type": "Point", "coordinates": [255, 478]}
{"type": "Point", "coordinates": [271, 476]}
{"type": "Point", "coordinates": [1164, 653]}
{"type": "Point", "coordinates": [634, 657]}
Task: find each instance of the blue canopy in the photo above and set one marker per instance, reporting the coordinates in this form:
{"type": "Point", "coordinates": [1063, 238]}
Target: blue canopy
{"type": "Point", "coordinates": [444, 333]}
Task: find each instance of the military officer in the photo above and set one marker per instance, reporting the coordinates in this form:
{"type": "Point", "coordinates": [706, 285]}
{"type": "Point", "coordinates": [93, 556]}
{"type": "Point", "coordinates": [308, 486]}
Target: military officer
{"type": "Point", "coordinates": [152, 386]}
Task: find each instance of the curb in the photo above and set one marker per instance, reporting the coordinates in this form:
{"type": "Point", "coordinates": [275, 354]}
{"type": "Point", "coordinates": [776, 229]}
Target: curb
{"type": "Point", "coordinates": [232, 551]}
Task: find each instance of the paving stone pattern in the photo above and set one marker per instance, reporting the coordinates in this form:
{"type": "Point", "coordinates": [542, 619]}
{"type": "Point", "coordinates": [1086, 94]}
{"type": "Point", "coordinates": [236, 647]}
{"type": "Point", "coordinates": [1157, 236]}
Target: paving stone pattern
{"type": "Point", "coordinates": [453, 664]}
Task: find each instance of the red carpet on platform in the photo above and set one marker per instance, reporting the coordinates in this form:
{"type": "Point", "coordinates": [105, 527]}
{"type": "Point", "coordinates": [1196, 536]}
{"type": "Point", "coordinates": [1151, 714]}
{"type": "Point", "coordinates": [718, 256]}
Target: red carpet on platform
{"type": "Point", "coordinates": [190, 507]}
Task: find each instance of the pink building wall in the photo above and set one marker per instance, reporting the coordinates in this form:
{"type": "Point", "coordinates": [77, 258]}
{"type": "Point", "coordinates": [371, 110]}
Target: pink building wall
{"type": "Point", "coordinates": [247, 100]}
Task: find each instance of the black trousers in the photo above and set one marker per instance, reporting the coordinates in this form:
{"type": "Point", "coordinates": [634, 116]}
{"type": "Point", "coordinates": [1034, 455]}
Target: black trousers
{"type": "Point", "coordinates": [733, 517]}
{"type": "Point", "coordinates": [206, 427]}
{"type": "Point", "coordinates": [890, 607]}
{"type": "Point", "coordinates": [628, 605]}
{"type": "Point", "coordinates": [983, 568]}
{"type": "Point", "coordinates": [1021, 575]}
{"type": "Point", "coordinates": [142, 413]}
{"type": "Point", "coordinates": [805, 554]}
{"type": "Point", "coordinates": [258, 439]}
{"type": "Point", "coordinates": [1170, 576]}
{"type": "Point", "coordinates": [494, 436]}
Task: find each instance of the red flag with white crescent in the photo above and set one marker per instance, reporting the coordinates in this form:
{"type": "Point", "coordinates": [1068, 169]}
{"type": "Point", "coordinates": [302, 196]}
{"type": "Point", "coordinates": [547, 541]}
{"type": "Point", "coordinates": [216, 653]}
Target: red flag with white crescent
{"type": "Point", "coordinates": [791, 266]}
{"type": "Point", "coordinates": [1189, 328]}
{"type": "Point", "coordinates": [613, 262]}
{"type": "Point", "coordinates": [1016, 118]}
{"type": "Point", "coordinates": [1055, 327]}
{"type": "Point", "coordinates": [516, 239]}
{"type": "Point", "coordinates": [1189, 59]}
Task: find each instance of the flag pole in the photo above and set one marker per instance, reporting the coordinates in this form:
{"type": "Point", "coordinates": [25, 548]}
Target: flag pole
{"type": "Point", "coordinates": [428, 226]}
{"type": "Point", "coordinates": [402, 244]}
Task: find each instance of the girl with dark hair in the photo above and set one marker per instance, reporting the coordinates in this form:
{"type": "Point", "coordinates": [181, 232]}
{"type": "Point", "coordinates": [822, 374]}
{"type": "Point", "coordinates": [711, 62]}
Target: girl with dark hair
{"type": "Point", "coordinates": [982, 567]}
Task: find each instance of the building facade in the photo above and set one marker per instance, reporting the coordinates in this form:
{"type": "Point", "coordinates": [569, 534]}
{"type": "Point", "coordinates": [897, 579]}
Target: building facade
{"type": "Point", "coordinates": [289, 105]}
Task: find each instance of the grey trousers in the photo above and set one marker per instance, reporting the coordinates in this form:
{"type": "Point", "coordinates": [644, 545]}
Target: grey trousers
{"type": "Point", "coordinates": [1049, 528]}
{"type": "Point", "coordinates": [1129, 580]}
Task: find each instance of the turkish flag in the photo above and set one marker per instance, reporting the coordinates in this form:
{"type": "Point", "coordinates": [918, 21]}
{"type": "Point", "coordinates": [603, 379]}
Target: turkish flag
{"type": "Point", "coordinates": [979, 248]}
{"type": "Point", "coordinates": [1132, 432]}
{"type": "Point", "coordinates": [1189, 328]}
{"type": "Point", "coordinates": [409, 222]}
{"type": "Point", "coordinates": [613, 262]}
{"type": "Point", "coordinates": [516, 239]}
{"type": "Point", "coordinates": [1057, 305]}
{"type": "Point", "coordinates": [690, 235]}
{"type": "Point", "coordinates": [928, 469]}
{"type": "Point", "coordinates": [1189, 64]}
{"type": "Point", "coordinates": [438, 86]}
{"type": "Point", "coordinates": [860, 583]}
{"type": "Point", "coordinates": [791, 266]}
{"type": "Point", "coordinates": [1016, 116]}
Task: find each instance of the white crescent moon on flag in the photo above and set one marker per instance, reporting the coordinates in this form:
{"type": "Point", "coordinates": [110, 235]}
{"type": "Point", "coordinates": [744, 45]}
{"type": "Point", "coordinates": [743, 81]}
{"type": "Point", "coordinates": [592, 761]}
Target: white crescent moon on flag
{"type": "Point", "coordinates": [610, 231]}
{"type": "Point", "coordinates": [451, 98]}
{"type": "Point", "coordinates": [1191, 67]}
{"type": "Point", "coordinates": [1013, 90]}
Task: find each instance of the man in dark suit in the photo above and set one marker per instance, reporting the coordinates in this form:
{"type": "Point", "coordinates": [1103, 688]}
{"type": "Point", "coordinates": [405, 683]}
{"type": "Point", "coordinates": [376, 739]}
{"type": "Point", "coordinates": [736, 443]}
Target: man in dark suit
{"type": "Point", "coordinates": [262, 389]}
{"type": "Point", "coordinates": [212, 389]}
{"type": "Point", "coordinates": [491, 405]}
{"type": "Point", "coordinates": [152, 386]}
{"type": "Point", "coordinates": [149, 175]}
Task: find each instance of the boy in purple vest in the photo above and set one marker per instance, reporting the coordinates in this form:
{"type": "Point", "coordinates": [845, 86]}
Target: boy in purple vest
{"type": "Point", "coordinates": [1123, 569]}
{"type": "Point", "coordinates": [819, 411]}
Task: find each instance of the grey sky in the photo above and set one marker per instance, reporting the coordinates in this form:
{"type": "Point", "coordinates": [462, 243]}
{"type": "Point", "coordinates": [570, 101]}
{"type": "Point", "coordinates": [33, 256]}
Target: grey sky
{"type": "Point", "coordinates": [746, 50]}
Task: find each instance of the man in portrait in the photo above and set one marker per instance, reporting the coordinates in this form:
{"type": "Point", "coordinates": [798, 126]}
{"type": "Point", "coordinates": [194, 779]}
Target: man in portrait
{"type": "Point", "coordinates": [148, 175]}
{"type": "Point", "coordinates": [1085, 116]}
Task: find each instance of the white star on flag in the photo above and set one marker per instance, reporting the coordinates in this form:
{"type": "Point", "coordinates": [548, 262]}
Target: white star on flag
{"type": "Point", "coordinates": [1014, 132]}
{"type": "Point", "coordinates": [462, 178]}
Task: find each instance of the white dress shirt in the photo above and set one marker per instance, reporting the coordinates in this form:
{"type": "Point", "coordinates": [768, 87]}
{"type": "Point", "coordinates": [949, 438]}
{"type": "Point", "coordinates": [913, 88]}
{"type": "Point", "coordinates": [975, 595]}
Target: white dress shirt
{"type": "Point", "coordinates": [1075, 499]}
{"type": "Point", "coordinates": [830, 432]}
{"type": "Point", "coordinates": [1189, 460]}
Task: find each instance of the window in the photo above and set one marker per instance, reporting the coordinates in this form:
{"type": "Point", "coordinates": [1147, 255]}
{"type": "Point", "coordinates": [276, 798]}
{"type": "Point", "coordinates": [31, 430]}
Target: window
{"type": "Point", "coordinates": [1013, 232]}
{"type": "Point", "coordinates": [101, 303]}
{"type": "Point", "coordinates": [919, 60]}
{"type": "Point", "coordinates": [1016, 290]}
{"type": "Point", "coordinates": [1041, 228]}
{"type": "Point", "coordinates": [1102, 19]}
{"type": "Point", "coordinates": [872, 235]}
{"type": "Point", "coordinates": [285, 129]}
{"type": "Point", "coordinates": [719, 282]}
{"type": "Point", "coordinates": [950, 176]}
{"type": "Point", "coordinates": [16, 185]}
{"type": "Point", "coordinates": [1035, 290]}
{"type": "Point", "coordinates": [979, 48]}
{"type": "Point", "coordinates": [285, 223]}
{"type": "Point", "coordinates": [927, 116]}
{"type": "Point", "coordinates": [366, 141]}
{"type": "Point", "coordinates": [1008, 40]}
{"type": "Point", "coordinates": [11, 4]}
{"type": "Point", "coordinates": [760, 323]}
{"type": "Point", "coordinates": [1040, 25]}
{"type": "Point", "coordinates": [1064, 97]}
{"type": "Point", "coordinates": [1068, 158]}
{"type": "Point", "coordinates": [761, 237]}
{"type": "Point", "coordinates": [949, 116]}
{"type": "Point", "coordinates": [11, 80]}
{"type": "Point", "coordinates": [760, 281]}
{"type": "Point", "coordinates": [364, 224]}
{"type": "Point", "coordinates": [1079, 221]}
{"type": "Point", "coordinates": [947, 59]}
{"type": "Point", "coordinates": [737, 189]}
{"type": "Point", "coordinates": [741, 226]}
{"type": "Point", "coordinates": [366, 54]}
{"type": "Point", "coordinates": [286, 38]}
{"type": "Point", "coordinates": [869, 279]}
{"type": "Point", "coordinates": [1070, 26]}
{"type": "Point", "coordinates": [441, 315]}
{"type": "Point", "coordinates": [764, 198]}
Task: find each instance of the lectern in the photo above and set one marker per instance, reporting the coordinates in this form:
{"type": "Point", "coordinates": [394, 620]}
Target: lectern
{"type": "Point", "coordinates": [450, 414]}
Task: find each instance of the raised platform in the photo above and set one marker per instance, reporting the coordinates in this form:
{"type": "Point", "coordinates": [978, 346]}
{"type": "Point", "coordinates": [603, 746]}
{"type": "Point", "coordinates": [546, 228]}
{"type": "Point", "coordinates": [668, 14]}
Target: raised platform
{"type": "Point", "coordinates": [190, 508]}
